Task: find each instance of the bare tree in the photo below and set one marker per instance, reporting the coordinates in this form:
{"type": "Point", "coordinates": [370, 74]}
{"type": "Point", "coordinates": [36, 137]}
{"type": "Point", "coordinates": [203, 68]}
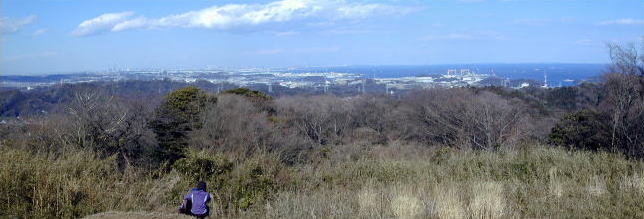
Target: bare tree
{"type": "Point", "coordinates": [233, 124]}
{"type": "Point", "coordinates": [438, 115]}
{"type": "Point", "coordinates": [625, 92]}
{"type": "Point", "coordinates": [322, 119]}
{"type": "Point", "coordinates": [381, 114]}
{"type": "Point", "coordinates": [495, 122]}
{"type": "Point", "coordinates": [109, 125]}
{"type": "Point", "coordinates": [626, 59]}
{"type": "Point", "coordinates": [458, 117]}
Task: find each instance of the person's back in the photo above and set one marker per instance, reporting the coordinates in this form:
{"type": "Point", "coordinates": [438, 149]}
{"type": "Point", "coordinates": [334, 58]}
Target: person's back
{"type": "Point", "coordinates": [198, 199]}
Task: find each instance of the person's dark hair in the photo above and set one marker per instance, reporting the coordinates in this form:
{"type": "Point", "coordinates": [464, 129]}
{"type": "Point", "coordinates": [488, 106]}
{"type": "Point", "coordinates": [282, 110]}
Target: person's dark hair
{"type": "Point", "coordinates": [201, 185]}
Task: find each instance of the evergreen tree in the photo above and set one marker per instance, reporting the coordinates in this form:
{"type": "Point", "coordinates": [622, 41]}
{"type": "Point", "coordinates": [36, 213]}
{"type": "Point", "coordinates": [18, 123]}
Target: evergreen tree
{"type": "Point", "coordinates": [178, 115]}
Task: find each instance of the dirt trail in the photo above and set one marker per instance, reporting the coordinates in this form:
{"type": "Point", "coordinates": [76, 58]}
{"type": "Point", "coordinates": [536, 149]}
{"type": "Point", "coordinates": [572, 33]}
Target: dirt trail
{"type": "Point", "coordinates": [136, 215]}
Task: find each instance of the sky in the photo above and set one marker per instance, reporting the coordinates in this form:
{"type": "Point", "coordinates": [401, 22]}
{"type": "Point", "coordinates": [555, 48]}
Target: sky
{"type": "Point", "coordinates": [63, 36]}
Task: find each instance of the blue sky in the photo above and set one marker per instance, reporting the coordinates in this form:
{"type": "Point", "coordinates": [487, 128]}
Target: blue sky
{"type": "Point", "coordinates": [58, 36]}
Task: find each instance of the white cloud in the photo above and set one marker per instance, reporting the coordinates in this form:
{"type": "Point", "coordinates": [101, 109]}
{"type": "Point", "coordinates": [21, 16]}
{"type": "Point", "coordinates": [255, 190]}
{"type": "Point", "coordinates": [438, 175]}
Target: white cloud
{"type": "Point", "coordinates": [233, 16]}
{"type": "Point", "coordinates": [361, 11]}
{"type": "Point", "coordinates": [626, 21]}
{"type": "Point", "coordinates": [8, 25]}
{"type": "Point", "coordinates": [349, 31]}
{"type": "Point", "coordinates": [39, 32]}
{"type": "Point", "coordinates": [287, 33]}
{"type": "Point", "coordinates": [102, 23]}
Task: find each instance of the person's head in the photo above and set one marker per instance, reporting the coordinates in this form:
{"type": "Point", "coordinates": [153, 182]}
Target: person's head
{"type": "Point", "coordinates": [201, 185]}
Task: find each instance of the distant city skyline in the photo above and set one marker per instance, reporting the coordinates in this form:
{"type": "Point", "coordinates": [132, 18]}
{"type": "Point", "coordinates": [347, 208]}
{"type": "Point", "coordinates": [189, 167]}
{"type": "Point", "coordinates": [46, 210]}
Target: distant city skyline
{"type": "Point", "coordinates": [57, 36]}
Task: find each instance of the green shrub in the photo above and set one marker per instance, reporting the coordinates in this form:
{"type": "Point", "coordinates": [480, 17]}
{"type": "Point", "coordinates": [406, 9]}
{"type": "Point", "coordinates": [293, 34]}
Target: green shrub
{"type": "Point", "coordinates": [585, 129]}
{"type": "Point", "coordinates": [253, 186]}
{"type": "Point", "coordinates": [178, 115]}
{"type": "Point", "coordinates": [253, 95]}
{"type": "Point", "coordinates": [200, 166]}
{"type": "Point", "coordinates": [239, 186]}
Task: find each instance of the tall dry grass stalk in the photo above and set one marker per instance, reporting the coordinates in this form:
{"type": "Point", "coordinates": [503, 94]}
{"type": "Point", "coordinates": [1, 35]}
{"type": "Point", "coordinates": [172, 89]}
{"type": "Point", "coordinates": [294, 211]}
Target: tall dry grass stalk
{"type": "Point", "coordinates": [488, 200]}
{"type": "Point", "coordinates": [370, 202]}
{"type": "Point", "coordinates": [555, 185]}
{"type": "Point", "coordinates": [633, 183]}
{"type": "Point", "coordinates": [596, 186]}
{"type": "Point", "coordinates": [321, 204]}
{"type": "Point", "coordinates": [406, 204]}
{"type": "Point", "coordinates": [448, 202]}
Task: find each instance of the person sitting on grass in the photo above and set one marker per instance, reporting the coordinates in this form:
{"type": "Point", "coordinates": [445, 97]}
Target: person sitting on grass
{"type": "Point", "coordinates": [195, 203]}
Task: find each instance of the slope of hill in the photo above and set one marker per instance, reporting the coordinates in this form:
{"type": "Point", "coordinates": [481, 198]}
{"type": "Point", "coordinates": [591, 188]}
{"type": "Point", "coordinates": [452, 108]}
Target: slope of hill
{"type": "Point", "coordinates": [136, 215]}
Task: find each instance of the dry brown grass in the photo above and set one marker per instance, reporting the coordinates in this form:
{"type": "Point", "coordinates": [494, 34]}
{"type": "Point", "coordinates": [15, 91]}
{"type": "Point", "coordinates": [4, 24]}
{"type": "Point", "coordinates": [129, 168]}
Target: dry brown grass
{"type": "Point", "coordinates": [136, 215]}
{"type": "Point", "coordinates": [488, 200]}
{"type": "Point", "coordinates": [555, 186]}
{"type": "Point", "coordinates": [370, 201]}
{"type": "Point", "coordinates": [406, 204]}
{"type": "Point", "coordinates": [596, 186]}
{"type": "Point", "coordinates": [534, 183]}
{"type": "Point", "coordinates": [320, 204]}
{"type": "Point", "coordinates": [633, 183]}
{"type": "Point", "coordinates": [448, 202]}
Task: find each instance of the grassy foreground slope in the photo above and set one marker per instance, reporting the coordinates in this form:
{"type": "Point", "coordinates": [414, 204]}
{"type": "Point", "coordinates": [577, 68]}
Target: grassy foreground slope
{"type": "Point", "coordinates": [383, 182]}
{"type": "Point", "coordinates": [137, 215]}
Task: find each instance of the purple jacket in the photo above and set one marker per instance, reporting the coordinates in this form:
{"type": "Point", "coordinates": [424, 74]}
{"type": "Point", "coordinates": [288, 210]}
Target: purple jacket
{"type": "Point", "coordinates": [199, 199]}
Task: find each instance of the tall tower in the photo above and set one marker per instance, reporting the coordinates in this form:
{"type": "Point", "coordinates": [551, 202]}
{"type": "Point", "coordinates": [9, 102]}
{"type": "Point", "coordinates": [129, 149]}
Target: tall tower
{"type": "Point", "coordinates": [386, 88]}
{"type": "Point", "coordinates": [545, 80]}
{"type": "Point", "coordinates": [326, 86]}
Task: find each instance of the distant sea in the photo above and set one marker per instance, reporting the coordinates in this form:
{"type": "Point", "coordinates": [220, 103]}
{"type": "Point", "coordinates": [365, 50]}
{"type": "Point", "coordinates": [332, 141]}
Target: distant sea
{"type": "Point", "coordinates": [557, 74]}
